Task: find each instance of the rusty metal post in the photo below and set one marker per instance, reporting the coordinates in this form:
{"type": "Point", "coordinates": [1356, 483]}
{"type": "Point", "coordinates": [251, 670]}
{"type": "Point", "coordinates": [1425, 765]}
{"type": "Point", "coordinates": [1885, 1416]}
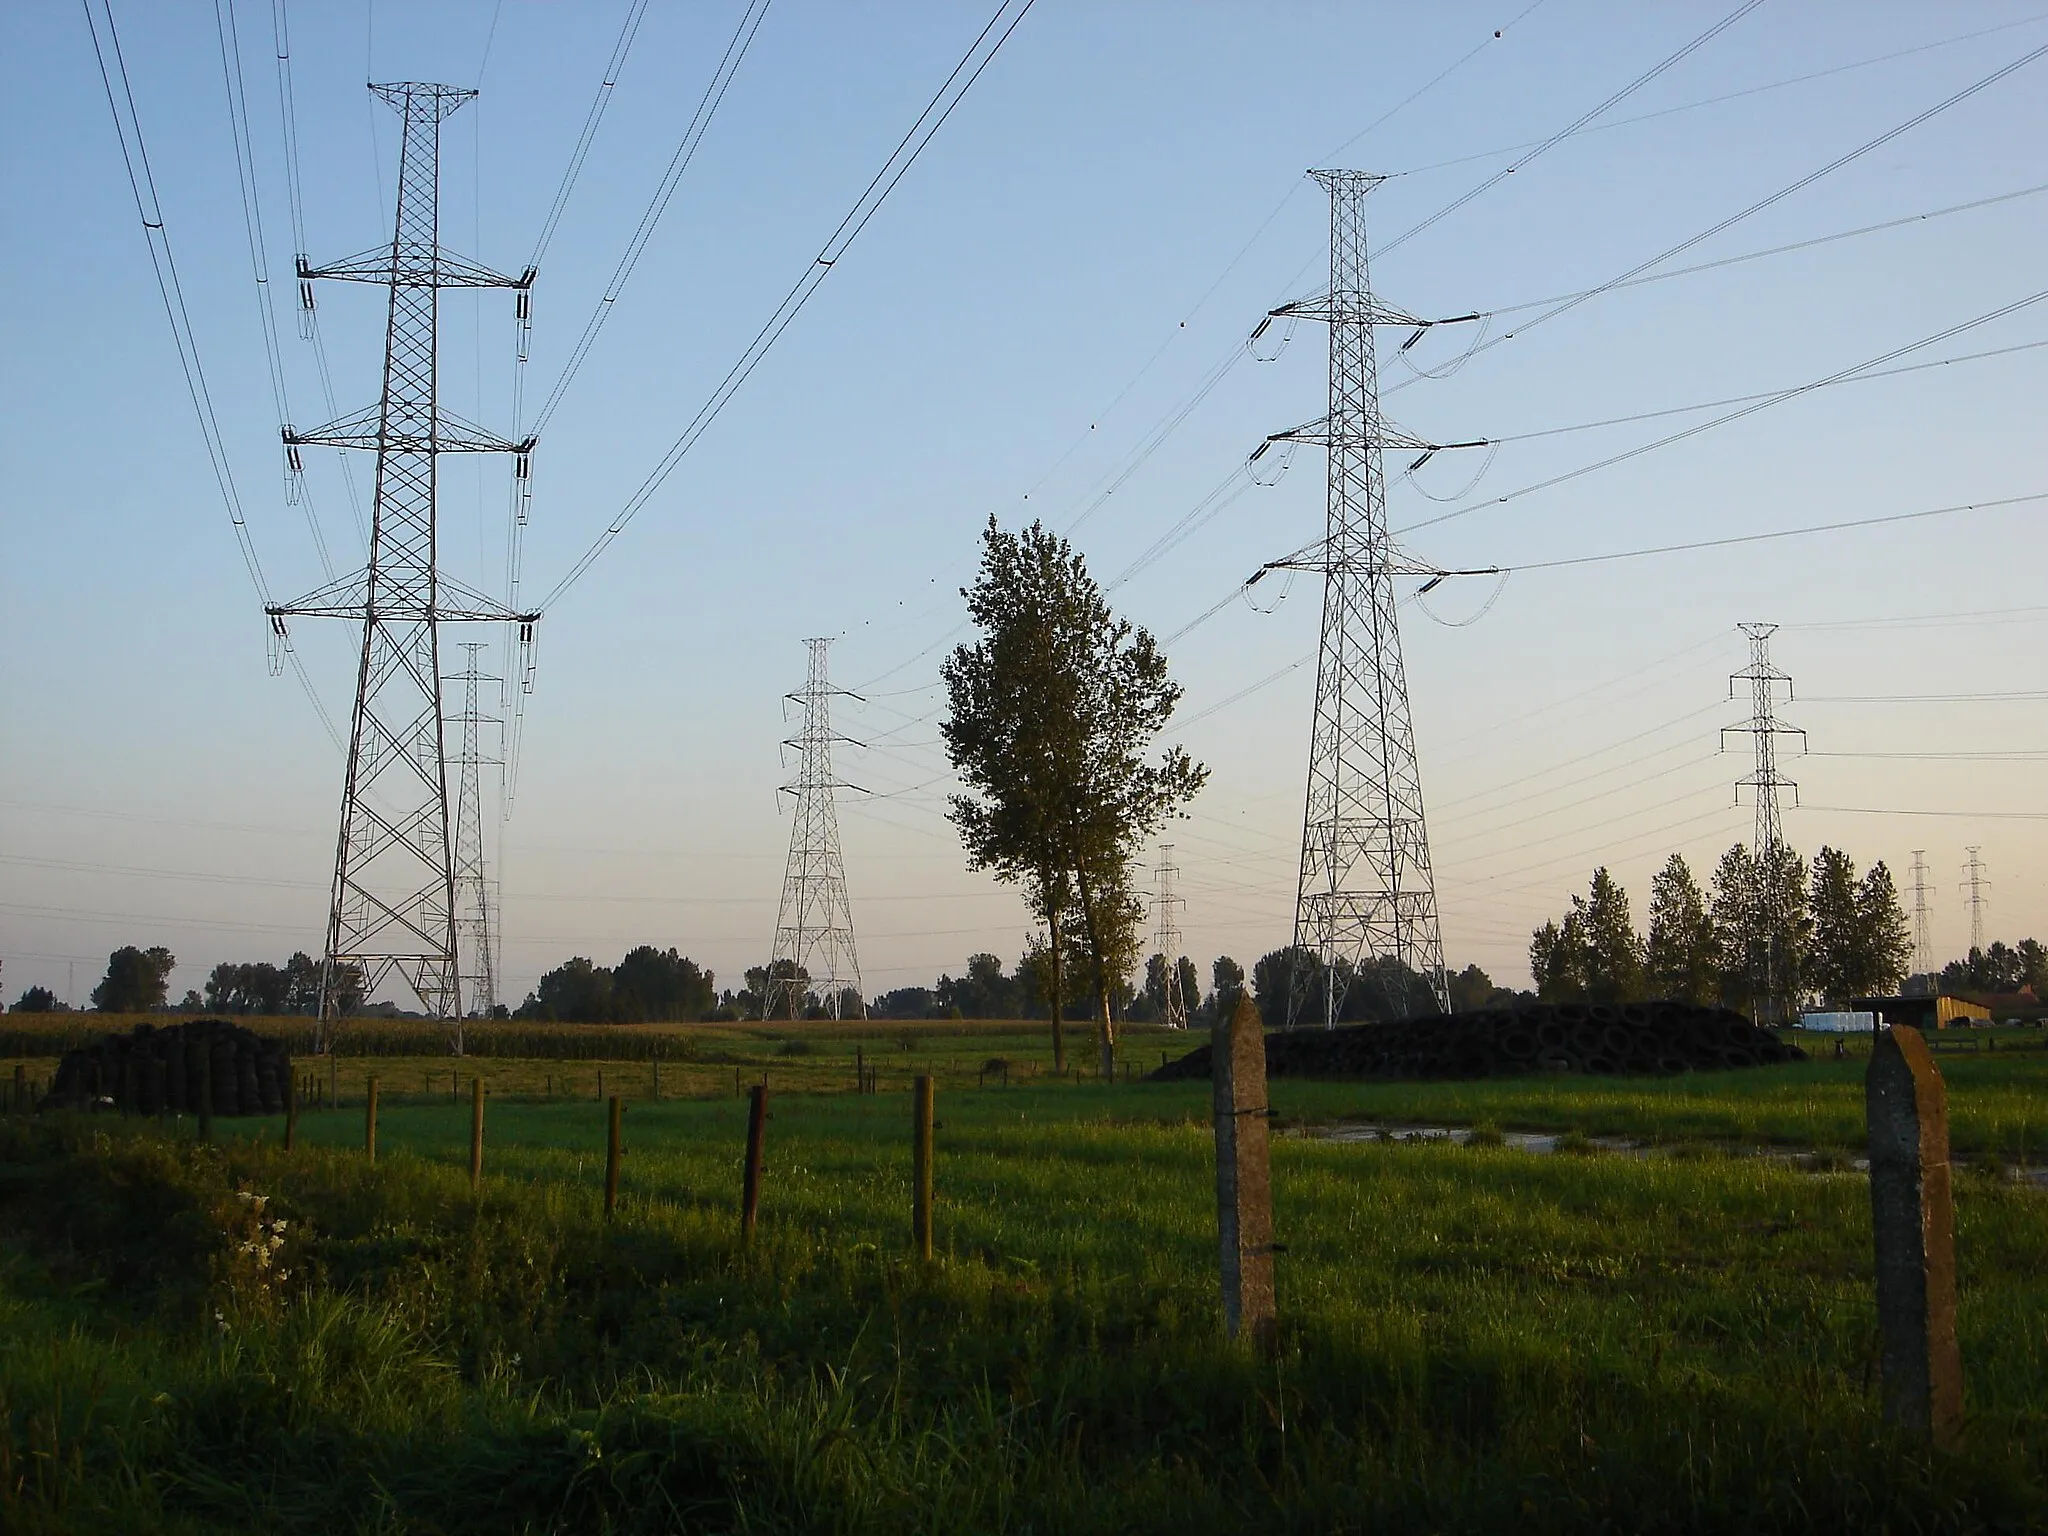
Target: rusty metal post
{"type": "Point", "coordinates": [476, 1134]}
{"type": "Point", "coordinates": [370, 1119]}
{"type": "Point", "coordinates": [611, 1157]}
{"type": "Point", "coordinates": [291, 1111]}
{"type": "Point", "coordinates": [1244, 1176]}
{"type": "Point", "coordinates": [1913, 1226]}
{"type": "Point", "coordinates": [757, 1134]}
{"type": "Point", "coordinates": [921, 1166]}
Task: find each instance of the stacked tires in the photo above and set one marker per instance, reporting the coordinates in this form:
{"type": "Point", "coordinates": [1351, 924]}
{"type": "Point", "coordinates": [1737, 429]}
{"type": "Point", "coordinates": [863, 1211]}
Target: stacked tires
{"type": "Point", "coordinates": [152, 1070]}
{"type": "Point", "coordinates": [1598, 1039]}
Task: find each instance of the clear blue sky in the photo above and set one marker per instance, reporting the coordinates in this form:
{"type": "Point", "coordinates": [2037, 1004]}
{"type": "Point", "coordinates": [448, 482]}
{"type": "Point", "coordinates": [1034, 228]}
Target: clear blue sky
{"type": "Point", "coordinates": [1081, 215]}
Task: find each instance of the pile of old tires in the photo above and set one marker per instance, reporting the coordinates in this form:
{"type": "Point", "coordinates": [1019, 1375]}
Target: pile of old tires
{"type": "Point", "coordinates": [176, 1070]}
{"type": "Point", "coordinates": [1601, 1040]}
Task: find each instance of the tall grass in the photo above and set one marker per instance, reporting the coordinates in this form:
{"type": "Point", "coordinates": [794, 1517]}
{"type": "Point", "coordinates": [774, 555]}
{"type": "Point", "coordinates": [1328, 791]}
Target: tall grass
{"type": "Point", "coordinates": [1475, 1339]}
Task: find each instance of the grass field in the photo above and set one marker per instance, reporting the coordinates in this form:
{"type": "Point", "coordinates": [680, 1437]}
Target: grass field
{"type": "Point", "coordinates": [1475, 1338]}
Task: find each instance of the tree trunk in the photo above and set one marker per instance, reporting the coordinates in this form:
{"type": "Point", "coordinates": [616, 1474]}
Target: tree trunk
{"type": "Point", "coordinates": [1105, 1026]}
{"type": "Point", "coordinates": [1059, 990]}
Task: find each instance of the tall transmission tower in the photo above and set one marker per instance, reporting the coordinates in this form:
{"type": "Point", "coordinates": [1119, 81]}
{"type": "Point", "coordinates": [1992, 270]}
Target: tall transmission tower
{"type": "Point", "coordinates": [1923, 944]}
{"type": "Point", "coordinates": [1366, 891]}
{"type": "Point", "coordinates": [393, 908]}
{"type": "Point", "coordinates": [1764, 782]}
{"type": "Point", "coordinates": [474, 907]}
{"type": "Point", "coordinates": [1976, 885]}
{"type": "Point", "coordinates": [814, 929]}
{"type": "Point", "coordinates": [1167, 905]}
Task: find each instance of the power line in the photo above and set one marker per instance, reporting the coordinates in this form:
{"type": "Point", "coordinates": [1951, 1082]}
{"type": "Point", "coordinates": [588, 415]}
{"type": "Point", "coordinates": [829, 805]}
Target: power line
{"type": "Point", "coordinates": [149, 209]}
{"type": "Point", "coordinates": [686, 151]}
{"type": "Point", "coordinates": [978, 57]}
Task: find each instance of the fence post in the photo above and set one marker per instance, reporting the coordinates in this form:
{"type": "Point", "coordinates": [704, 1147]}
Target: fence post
{"type": "Point", "coordinates": [611, 1158]}
{"type": "Point", "coordinates": [206, 1097]}
{"type": "Point", "coordinates": [657, 1079]}
{"type": "Point", "coordinates": [1244, 1176]}
{"type": "Point", "coordinates": [600, 1082]}
{"type": "Point", "coordinates": [1913, 1226]}
{"type": "Point", "coordinates": [370, 1119]}
{"type": "Point", "coordinates": [757, 1133]}
{"type": "Point", "coordinates": [860, 1070]}
{"type": "Point", "coordinates": [333, 1079]}
{"type": "Point", "coordinates": [921, 1166]}
{"type": "Point", "coordinates": [291, 1111]}
{"type": "Point", "coordinates": [476, 1134]}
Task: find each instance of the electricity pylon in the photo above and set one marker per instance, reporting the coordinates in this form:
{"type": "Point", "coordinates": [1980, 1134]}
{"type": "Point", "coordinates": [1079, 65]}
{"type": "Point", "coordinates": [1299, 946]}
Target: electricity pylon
{"type": "Point", "coordinates": [814, 926]}
{"type": "Point", "coordinates": [394, 903]}
{"type": "Point", "coordinates": [1167, 904]}
{"type": "Point", "coordinates": [1923, 946]}
{"type": "Point", "coordinates": [1367, 890]}
{"type": "Point", "coordinates": [1764, 781]}
{"type": "Point", "coordinates": [474, 907]}
{"type": "Point", "coordinates": [1976, 885]}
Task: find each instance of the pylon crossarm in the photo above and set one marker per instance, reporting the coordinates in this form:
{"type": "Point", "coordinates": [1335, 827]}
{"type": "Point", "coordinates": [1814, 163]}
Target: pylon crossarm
{"type": "Point", "coordinates": [442, 268]}
{"type": "Point", "coordinates": [1358, 309]}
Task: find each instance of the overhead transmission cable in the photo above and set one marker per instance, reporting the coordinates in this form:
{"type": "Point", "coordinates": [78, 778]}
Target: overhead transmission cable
{"type": "Point", "coordinates": [934, 116]}
{"type": "Point", "coordinates": [228, 31]}
{"type": "Point", "coordinates": [149, 209]}
{"type": "Point", "coordinates": [686, 151]}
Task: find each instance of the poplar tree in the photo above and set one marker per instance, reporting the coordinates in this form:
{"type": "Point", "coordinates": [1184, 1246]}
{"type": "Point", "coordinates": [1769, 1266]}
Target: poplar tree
{"type": "Point", "coordinates": [1050, 716]}
{"type": "Point", "coordinates": [1679, 959]}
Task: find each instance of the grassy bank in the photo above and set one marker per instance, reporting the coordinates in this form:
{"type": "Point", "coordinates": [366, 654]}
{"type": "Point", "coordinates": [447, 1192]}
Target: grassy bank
{"type": "Point", "coordinates": [1476, 1339]}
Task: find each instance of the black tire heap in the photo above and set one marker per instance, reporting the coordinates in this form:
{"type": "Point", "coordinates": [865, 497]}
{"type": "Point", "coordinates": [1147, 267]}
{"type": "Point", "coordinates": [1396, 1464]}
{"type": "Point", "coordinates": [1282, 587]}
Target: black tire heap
{"type": "Point", "coordinates": [1601, 1040]}
{"type": "Point", "coordinates": [152, 1070]}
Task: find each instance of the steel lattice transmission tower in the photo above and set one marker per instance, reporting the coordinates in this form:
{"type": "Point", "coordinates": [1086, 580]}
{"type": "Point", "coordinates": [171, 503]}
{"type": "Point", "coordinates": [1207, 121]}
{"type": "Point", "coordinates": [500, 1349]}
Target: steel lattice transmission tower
{"type": "Point", "coordinates": [394, 899]}
{"type": "Point", "coordinates": [1976, 885]}
{"type": "Point", "coordinates": [1366, 890]}
{"type": "Point", "coordinates": [1764, 781]}
{"type": "Point", "coordinates": [475, 907]}
{"type": "Point", "coordinates": [1923, 944]}
{"type": "Point", "coordinates": [814, 928]}
{"type": "Point", "coordinates": [1167, 905]}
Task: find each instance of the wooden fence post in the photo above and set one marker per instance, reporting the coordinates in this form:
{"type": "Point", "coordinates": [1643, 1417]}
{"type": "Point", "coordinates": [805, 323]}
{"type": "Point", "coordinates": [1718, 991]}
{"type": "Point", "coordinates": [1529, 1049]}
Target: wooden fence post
{"type": "Point", "coordinates": [757, 1133]}
{"type": "Point", "coordinates": [600, 1082]}
{"type": "Point", "coordinates": [476, 1134]}
{"type": "Point", "coordinates": [291, 1111]}
{"type": "Point", "coordinates": [1913, 1225]}
{"type": "Point", "coordinates": [611, 1158]}
{"type": "Point", "coordinates": [370, 1119]}
{"type": "Point", "coordinates": [921, 1166]}
{"type": "Point", "coordinates": [1244, 1176]}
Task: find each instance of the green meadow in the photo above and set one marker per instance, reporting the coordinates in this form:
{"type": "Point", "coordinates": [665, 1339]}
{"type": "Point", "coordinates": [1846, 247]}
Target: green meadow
{"type": "Point", "coordinates": [1474, 1338]}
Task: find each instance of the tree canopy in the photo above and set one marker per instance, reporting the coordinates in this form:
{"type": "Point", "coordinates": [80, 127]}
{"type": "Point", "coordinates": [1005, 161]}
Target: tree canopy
{"type": "Point", "coordinates": [1051, 715]}
{"type": "Point", "coordinates": [136, 980]}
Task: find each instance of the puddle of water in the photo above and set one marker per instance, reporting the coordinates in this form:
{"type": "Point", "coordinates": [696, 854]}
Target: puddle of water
{"type": "Point", "coordinates": [1545, 1143]}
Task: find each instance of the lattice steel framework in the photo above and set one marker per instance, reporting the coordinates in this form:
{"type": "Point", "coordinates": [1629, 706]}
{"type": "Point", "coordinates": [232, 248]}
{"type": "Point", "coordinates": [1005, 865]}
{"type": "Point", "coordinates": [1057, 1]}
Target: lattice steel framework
{"type": "Point", "coordinates": [1167, 904]}
{"type": "Point", "coordinates": [814, 926]}
{"type": "Point", "coordinates": [1367, 890]}
{"type": "Point", "coordinates": [475, 907]}
{"type": "Point", "coordinates": [394, 899]}
{"type": "Point", "coordinates": [1974, 886]}
{"type": "Point", "coordinates": [1923, 941]}
{"type": "Point", "coordinates": [1765, 782]}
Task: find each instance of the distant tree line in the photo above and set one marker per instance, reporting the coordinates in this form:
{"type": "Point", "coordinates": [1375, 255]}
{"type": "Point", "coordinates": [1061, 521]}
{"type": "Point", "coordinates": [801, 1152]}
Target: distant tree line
{"type": "Point", "coordinates": [647, 986]}
{"type": "Point", "coordinates": [1769, 933]}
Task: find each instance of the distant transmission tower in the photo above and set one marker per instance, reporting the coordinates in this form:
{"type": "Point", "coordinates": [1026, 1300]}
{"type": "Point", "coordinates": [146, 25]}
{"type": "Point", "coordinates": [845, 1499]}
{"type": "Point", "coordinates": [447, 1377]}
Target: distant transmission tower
{"type": "Point", "coordinates": [1976, 885]}
{"type": "Point", "coordinates": [1167, 905]}
{"type": "Point", "coordinates": [394, 900]}
{"type": "Point", "coordinates": [1923, 944]}
{"type": "Point", "coordinates": [474, 908]}
{"type": "Point", "coordinates": [1764, 781]}
{"type": "Point", "coordinates": [1366, 890]}
{"type": "Point", "coordinates": [814, 930]}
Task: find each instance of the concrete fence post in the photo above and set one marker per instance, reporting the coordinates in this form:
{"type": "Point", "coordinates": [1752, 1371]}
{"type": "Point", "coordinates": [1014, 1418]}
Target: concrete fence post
{"type": "Point", "coordinates": [921, 1166]}
{"type": "Point", "coordinates": [1244, 1179]}
{"type": "Point", "coordinates": [1912, 1214]}
{"type": "Point", "coordinates": [611, 1157]}
{"type": "Point", "coordinates": [757, 1134]}
{"type": "Point", "coordinates": [476, 1134]}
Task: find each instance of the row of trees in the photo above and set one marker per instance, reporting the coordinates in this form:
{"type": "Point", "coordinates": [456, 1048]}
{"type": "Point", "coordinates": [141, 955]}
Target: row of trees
{"type": "Point", "coordinates": [648, 985]}
{"type": "Point", "coordinates": [1768, 933]}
